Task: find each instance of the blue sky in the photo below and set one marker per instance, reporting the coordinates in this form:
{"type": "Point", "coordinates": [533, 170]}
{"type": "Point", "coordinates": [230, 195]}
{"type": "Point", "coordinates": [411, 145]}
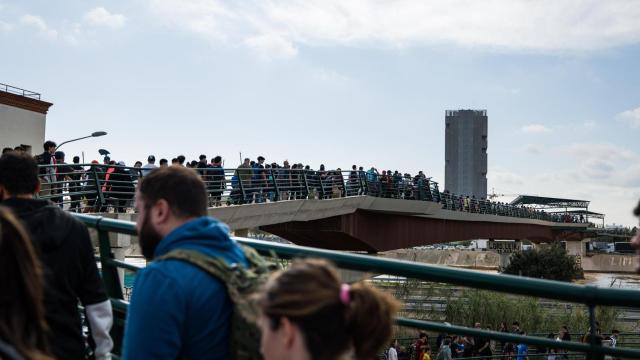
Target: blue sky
{"type": "Point", "coordinates": [338, 83]}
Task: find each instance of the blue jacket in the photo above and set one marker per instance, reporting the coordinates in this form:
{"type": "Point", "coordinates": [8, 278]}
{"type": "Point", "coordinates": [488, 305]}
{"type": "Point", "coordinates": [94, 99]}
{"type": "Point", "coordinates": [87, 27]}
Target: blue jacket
{"type": "Point", "coordinates": [178, 310]}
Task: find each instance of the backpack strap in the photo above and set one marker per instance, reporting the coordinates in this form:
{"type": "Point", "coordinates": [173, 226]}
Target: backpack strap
{"type": "Point", "coordinates": [214, 265]}
{"type": "Point", "coordinates": [232, 275]}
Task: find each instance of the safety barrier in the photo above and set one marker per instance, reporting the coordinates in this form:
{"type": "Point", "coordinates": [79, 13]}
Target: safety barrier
{"type": "Point", "coordinates": [587, 295]}
{"type": "Point", "coordinates": [95, 188]}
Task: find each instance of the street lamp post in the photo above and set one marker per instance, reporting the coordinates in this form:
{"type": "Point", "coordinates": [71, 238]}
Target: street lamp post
{"type": "Point", "coordinates": [94, 134]}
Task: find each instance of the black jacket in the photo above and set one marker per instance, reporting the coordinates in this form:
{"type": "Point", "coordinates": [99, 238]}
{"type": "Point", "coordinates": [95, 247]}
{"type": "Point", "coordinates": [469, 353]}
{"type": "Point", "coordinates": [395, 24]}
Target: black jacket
{"type": "Point", "coordinates": [70, 271]}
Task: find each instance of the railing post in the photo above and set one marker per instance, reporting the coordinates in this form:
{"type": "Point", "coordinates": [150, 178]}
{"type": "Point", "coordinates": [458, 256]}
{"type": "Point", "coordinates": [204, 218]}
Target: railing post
{"type": "Point", "coordinates": [100, 196]}
{"type": "Point", "coordinates": [275, 185]}
{"type": "Point", "coordinates": [109, 271]}
{"type": "Point", "coordinates": [592, 330]}
{"type": "Point", "coordinates": [344, 187]}
{"type": "Point", "coordinates": [321, 181]}
{"type": "Point", "coordinates": [244, 196]}
{"type": "Point", "coordinates": [362, 185]}
{"type": "Point", "coordinates": [306, 183]}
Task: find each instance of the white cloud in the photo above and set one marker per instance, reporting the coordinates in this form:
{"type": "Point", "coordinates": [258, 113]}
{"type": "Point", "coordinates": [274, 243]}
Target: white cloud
{"type": "Point", "coordinates": [535, 129]}
{"type": "Point", "coordinates": [73, 36]}
{"type": "Point", "coordinates": [271, 46]}
{"type": "Point", "coordinates": [589, 125]}
{"type": "Point", "coordinates": [598, 169]}
{"type": "Point", "coordinates": [533, 148]}
{"type": "Point", "coordinates": [38, 23]}
{"type": "Point", "coordinates": [102, 17]}
{"type": "Point", "coordinates": [5, 27]}
{"type": "Point", "coordinates": [500, 177]}
{"type": "Point", "coordinates": [631, 117]}
{"type": "Point", "coordinates": [603, 151]}
{"type": "Point", "coordinates": [509, 25]}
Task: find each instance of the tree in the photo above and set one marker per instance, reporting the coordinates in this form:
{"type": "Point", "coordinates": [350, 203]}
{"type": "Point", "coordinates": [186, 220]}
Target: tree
{"type": "Point", "coordinates": [548, 262]}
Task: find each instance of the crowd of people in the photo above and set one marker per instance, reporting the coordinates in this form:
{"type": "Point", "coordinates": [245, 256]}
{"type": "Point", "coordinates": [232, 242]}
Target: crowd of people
{"type": "Point", "coordinates": [177, 310]}
{"type": "Point", "coordinates": [111, 185]}
{"type": "Point", "coordinates": [450, 346]}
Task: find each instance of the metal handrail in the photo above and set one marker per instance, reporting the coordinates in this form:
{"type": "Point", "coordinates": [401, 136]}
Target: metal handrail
{"type": "Point", "coordinates": [18, 91]}
{"type": "Point", "coordinates": [240, 186]}
{"type": "Point", "coordinates": [588, 295]}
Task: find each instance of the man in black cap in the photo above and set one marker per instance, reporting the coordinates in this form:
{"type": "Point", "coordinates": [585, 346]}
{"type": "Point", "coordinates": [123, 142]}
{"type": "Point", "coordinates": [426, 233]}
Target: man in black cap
{"type": "Point", "coordinates": [150, 165]}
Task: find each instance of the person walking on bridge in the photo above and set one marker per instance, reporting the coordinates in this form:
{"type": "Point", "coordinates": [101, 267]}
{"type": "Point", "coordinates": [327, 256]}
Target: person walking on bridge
{"type": "Point", "coordinates": [65, 250]}
{"type": "Point", "coordinates": [150, 165]}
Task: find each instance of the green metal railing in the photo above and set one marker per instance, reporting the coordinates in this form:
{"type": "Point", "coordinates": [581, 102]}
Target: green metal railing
{"type": "Point", "coordinates": [98, 188]}
{"type": "Point", "coordinates": [588, 295]}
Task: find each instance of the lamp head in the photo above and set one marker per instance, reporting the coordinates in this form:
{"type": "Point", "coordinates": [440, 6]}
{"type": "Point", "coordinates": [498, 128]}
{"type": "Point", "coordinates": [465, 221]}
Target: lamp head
{"type": "Point", "coordinates": [99, 133]}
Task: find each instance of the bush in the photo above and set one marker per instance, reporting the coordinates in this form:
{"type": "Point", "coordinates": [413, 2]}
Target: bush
{"type": "Point", "coordinates": [548, 262]}
{"type": "Point", "coordinates": [491, 308]}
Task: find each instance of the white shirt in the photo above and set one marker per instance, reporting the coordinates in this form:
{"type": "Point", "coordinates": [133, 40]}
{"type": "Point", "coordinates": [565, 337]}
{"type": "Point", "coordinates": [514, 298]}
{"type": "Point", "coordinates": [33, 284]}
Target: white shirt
{"type": "Point", "coordinates": [393, 354]}
{"type": "Point", "coordinates": [146, 169]}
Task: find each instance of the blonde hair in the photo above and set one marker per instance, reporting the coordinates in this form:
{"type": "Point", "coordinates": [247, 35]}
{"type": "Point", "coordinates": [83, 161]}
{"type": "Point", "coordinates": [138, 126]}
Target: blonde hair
{"type": "Point", "coordinates": [309, 295]}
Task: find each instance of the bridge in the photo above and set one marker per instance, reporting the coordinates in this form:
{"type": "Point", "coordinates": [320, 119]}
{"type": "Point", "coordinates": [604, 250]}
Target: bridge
{"type": "Point", "coordinates": [340, 210]}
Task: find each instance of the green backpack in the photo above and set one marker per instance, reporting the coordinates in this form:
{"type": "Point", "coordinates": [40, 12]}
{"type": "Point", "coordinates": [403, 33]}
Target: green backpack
{"type": "Point", "coordinates": [241, 283]}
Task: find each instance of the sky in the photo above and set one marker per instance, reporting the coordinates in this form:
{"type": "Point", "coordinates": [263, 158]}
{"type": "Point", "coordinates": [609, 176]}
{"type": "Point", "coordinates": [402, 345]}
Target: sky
{"type": "Point", "coordinates": [340, 82]}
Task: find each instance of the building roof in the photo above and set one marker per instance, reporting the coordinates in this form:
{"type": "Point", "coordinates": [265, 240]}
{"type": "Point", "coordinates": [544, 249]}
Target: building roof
{"type": "Point", "coordinates": [591, 214]}
{"type": "Point", "coordinates": [549, 202]}
{"type": "Point", "coordinates": [23, 99]}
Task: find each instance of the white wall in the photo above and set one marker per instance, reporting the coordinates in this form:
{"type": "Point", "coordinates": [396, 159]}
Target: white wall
{"type": "Point", "coordinates": [19, 126]}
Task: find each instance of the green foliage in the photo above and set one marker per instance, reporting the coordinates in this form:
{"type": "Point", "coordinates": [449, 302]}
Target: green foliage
{"type": "Point", "coordinates": [548, 262]}
{"type": "Point", "coordinates": [535, 316]}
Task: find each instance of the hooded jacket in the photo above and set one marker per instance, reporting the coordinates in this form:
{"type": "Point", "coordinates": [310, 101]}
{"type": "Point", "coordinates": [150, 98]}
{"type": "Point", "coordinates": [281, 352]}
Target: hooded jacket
{"type": "Point", "coordinates": [177, 310]}
{"type": "Point", "coordinates": [70, 273]}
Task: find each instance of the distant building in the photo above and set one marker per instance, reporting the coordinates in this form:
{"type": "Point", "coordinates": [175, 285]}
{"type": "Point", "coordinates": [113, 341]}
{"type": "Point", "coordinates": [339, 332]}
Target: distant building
{"type": "Point", "coordinates": [22, 119]}
{"type": "Point", "coordinates": [466, 152]}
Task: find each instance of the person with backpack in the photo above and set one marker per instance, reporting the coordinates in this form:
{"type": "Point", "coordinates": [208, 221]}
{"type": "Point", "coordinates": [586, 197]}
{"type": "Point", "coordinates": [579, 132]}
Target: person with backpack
{"type": "Point", "coordinates": [178, 308]}
{"type": "Point", "coordinates": [308, 313]}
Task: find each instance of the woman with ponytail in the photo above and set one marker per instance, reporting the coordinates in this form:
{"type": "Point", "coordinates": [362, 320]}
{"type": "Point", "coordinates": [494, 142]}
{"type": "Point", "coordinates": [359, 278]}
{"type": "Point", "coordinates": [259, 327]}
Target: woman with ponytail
{"type": "Point", "coordinates": [309, 314]}
{"type": "Point", "coordinates": [22, 325]}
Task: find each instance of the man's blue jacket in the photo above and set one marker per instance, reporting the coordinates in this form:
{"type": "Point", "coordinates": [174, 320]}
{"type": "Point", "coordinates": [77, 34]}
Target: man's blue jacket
{"type": "Point", "coordinates": [177, 310]}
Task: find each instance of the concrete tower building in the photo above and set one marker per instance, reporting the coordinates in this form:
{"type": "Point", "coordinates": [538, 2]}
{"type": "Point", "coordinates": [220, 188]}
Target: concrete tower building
{"type": "Point", "coordinates": [466, 152]}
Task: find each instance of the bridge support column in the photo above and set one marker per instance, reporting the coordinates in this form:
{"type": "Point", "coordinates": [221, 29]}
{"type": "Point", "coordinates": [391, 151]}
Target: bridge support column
{"type": "Point", "coordinates": [577, 248]}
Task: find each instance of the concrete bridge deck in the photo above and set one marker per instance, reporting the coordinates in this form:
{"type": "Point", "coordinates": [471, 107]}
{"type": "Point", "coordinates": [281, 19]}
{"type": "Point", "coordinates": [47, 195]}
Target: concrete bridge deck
{"type": "Point", "coordinates": [373, 224]}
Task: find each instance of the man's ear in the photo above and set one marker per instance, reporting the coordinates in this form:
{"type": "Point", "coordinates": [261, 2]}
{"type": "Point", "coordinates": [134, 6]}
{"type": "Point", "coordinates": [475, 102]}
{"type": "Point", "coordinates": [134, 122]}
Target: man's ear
{"type": "Point", "coordinates": [160, 212]}
{"type": "Point", "coordinates": [38, 187]}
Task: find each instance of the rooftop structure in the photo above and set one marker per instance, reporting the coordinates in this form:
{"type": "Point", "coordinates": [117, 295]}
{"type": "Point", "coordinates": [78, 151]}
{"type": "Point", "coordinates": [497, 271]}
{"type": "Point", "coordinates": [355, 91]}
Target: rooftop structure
{"type": "Point", "coordinates": [22, 118]}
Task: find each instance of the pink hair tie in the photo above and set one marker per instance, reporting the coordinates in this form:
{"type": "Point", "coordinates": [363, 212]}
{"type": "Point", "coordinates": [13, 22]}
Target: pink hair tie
{"type": "Point", "coordinates": [344, 294]}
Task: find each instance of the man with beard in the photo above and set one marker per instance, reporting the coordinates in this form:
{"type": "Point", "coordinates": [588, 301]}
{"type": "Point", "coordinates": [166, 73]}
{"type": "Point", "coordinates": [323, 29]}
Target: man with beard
{"type": "Point", "coordinates": [65, 250]}
{"type": "Point", "coordinates": [178, 310]}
